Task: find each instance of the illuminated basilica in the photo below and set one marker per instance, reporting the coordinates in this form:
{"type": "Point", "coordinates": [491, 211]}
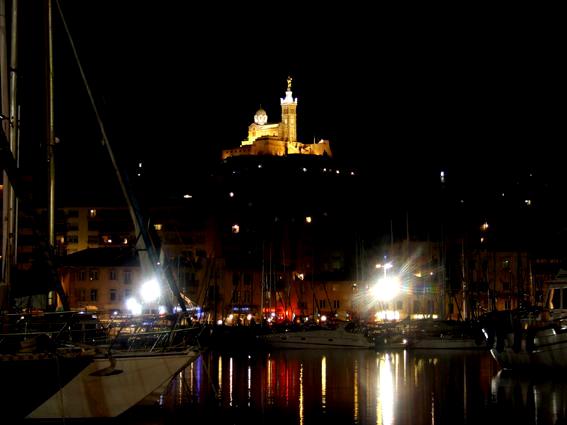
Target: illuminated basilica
{"type": "Point", "coordinates": [279, 139]}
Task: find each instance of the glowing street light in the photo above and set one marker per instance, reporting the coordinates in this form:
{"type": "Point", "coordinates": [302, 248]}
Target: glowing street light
{"type": "Point", "coordinates": [150, 290]}
{"type": "Point", "coordinates": [386, 288]}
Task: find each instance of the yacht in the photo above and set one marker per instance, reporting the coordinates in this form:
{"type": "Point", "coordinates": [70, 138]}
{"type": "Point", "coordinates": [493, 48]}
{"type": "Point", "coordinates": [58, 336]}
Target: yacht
{"type": "Point", "coordinates": [531, 338]}
{"type": "Point", "coordinates": [343, 336]}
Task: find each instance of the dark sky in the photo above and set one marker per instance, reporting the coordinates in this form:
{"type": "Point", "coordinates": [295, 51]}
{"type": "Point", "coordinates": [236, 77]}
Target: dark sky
{"type": "Point", "coordinates": [411, 92]}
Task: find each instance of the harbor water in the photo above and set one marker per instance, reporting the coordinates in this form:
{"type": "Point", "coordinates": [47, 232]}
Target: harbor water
{"type": "Point", "coordinates": [355, 387]}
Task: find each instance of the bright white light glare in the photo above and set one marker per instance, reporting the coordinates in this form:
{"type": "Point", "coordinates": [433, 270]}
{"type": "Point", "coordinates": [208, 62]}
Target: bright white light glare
{"type": "Point", "coordinates": [249, 317]}
{"type": "Point", "coordinates": [323, 318]}
{"type": "Point", "coordinates": [134, 306]}
{"type": "Point", "coordinates": [219, 322]}
{"type": "Point", "coordinates": [150, 290]}
{"type": "Point", "coordinates": [386, 288]}
{"type": "Point", "coordinates": [387, 315]}
{"type": "Point", "coordinates": [162, 309]}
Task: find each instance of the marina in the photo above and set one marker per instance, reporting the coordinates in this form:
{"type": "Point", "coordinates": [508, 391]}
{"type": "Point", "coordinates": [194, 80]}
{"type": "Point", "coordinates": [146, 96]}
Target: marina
{"type": "Point", "coordinates": [348, 253]}
{"type": "Point", "coordinates": [354, 387]}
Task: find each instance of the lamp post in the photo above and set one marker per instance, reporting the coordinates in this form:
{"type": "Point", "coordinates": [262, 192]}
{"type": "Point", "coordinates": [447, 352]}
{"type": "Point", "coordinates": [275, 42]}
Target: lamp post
{"type": "Point", "coordinates": [386, 287]}
{"type": "Point", "coordinates": [385, 266]}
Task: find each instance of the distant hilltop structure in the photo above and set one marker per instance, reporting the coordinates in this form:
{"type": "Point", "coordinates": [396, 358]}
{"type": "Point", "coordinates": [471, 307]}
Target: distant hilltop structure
{"type": "Point", "coordinates": [279, 139]}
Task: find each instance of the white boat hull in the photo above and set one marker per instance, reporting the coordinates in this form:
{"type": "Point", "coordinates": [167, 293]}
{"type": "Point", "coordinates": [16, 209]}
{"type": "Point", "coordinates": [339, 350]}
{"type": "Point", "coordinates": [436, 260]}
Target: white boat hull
{"type": "Point", "coordinates": [549, 350]}
{"type": "Point", "coordinates": [442, 343]}
{"type": "Point", "coordinates": [318, 339]}
{"type": "Point", "coordinates": [107, 390]}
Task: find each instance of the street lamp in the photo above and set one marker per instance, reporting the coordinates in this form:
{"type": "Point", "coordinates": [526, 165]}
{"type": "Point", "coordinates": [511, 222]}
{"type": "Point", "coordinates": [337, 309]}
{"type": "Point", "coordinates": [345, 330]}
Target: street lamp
{"type": "Point", "coordinates": [386, 288]}
{"type": "Point", "coordinates": [385, 266]}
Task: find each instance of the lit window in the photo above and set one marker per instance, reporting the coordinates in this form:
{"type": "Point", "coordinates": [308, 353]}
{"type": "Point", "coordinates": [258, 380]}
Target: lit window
{"type": "Point", "coordinates": [157, 226]}
{"type": "Point", "coordinates": [308, 219]}
{"type": "Point", "coordinates": [235, 228]}
{"type": "Point", "coordinates": [92, 213]}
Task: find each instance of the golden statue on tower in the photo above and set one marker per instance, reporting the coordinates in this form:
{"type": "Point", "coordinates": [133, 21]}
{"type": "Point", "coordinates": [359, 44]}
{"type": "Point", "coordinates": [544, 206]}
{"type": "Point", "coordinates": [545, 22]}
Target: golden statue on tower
{"type": "Point", "coordinates": [289, 83]}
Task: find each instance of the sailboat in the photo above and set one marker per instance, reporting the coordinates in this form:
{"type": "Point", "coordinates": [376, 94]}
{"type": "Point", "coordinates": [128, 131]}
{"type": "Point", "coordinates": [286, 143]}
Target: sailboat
{"type": "Point", "coordinates": [88, 380]}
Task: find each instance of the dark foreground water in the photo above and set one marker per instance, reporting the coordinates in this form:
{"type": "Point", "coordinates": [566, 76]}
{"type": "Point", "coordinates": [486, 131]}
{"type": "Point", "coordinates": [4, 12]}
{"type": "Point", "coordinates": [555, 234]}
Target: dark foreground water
{"type": "Point", "coordinates": [354, 387]}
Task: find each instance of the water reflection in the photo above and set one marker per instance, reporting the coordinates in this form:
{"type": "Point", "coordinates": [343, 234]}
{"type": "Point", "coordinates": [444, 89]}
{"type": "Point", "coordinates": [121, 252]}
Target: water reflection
{"type": "Point", "coordinates": [533, 399]}
{"type": "Point", "coordinates": [361, 387]}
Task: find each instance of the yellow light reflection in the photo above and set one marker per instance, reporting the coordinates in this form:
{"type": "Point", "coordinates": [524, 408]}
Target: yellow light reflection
{"type": "Point", "coordinates": [324, 383]}
{"type": "Point", "coordinates": [270, 383]}
{"type": "Point", "coordinates": [230, 372]}
{"type": "Point", "coordinates": [301, 399]}
{"type": "Point", "coordinates": [355, 410]}
{"type": "Point", "coordinates": [385, 393]}
{"type": "Point", "coordinates": [219, 379]}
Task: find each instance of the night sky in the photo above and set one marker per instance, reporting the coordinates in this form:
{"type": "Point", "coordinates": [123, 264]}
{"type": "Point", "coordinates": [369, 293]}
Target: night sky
{"type": "Point", "coordinates": [400, 95]}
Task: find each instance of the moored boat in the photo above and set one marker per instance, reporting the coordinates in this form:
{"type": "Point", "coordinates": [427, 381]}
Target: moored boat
{"type": "Point", "coordinates": [431, 335]}
{"type": "Point", "coordinates": [343, 336]}
{"type": "Point", "coordinates": [111, 385]}
{"type": "Point", "coordinates": [531, 338]}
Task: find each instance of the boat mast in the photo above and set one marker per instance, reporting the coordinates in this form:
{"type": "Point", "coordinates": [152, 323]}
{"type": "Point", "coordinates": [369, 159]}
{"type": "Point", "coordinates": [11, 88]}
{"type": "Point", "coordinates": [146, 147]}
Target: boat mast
{"type": "Point", "coordinates": [50, 112]}
{"type": "Point", "coordinates": [148, 254]}
{"type": "Point", "coordinates": [9, 127]}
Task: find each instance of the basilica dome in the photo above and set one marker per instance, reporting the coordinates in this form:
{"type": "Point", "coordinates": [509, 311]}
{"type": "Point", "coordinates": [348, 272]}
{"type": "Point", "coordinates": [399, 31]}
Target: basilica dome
{"type": "Point", "coordinates": [261, 117]}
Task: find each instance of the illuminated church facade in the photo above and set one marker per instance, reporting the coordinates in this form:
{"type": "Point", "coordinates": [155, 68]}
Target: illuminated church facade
{"type": "Point", "coordinates": [278, 139]}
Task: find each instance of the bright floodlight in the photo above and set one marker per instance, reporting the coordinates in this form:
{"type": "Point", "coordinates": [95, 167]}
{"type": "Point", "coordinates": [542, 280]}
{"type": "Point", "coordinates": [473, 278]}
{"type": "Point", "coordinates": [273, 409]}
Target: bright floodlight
{"type": "Point", "coordinates": [386, 288]}
{"type": "Point", "coordinates": [150, 290]}
{"type": "Point", "coordinates": [134, 306]}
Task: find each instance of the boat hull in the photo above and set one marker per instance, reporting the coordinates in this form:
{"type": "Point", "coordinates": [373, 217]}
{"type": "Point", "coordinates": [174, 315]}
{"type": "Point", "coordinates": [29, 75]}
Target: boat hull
{"type": "Point", "coordinates": [108, 388]}
{"type": "Point", "coordinates": [545, 349]}
{"type": "Point", "coordinates": [31, 378]}
{"type": "Point", "coordinates": [317, 339]}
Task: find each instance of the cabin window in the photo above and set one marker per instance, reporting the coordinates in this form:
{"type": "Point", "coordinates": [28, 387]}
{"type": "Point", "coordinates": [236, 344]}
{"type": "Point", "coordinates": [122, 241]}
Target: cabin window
{"type": "Point", "coordinates": [127, 276]}
{"type": "Point", "coordinates": [112, 274]}
{"type": "Point", "coordinates": [93, 274]}
{"type": "Point", "coordinates": [127, 293]}
{"type": "Point", "coordinates": [81, 275]}
{"type": "Point", "coordinates": [94, 294]}
{"type": "Point", "coordinates": [564, 300]}
{"type": "Point", "coordinates": [322, 304]}
{"type": "Point", "coordinates": [555, 299]}
{"type": "Point", "coordinates": [113, 295]}
{"type": "Point", "coordinates": [336, 304]}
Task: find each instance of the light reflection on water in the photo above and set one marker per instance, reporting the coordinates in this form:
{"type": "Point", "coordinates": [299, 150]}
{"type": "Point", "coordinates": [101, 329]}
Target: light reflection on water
{"type": "Point", "coordinates": [360, 387]}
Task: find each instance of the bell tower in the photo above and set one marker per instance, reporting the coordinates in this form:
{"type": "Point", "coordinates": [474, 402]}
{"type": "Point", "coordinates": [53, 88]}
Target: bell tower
{"type": "Point", "coordinates": [289, 115]}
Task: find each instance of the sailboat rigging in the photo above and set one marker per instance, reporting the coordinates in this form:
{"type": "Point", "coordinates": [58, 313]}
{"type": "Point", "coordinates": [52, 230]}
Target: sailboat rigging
{"type": "Point", "coordinates": [135, 374]}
